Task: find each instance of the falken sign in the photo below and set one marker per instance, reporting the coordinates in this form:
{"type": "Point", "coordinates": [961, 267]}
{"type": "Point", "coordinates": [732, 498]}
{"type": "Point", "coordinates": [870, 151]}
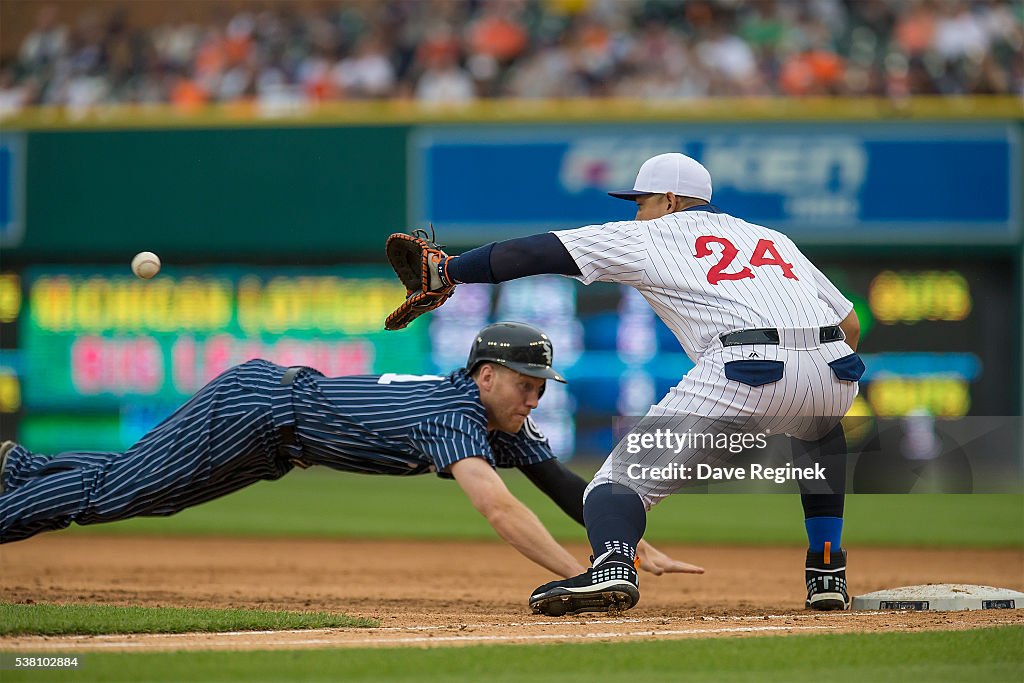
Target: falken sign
{"type": "Point", "coordinates": [822, 183]}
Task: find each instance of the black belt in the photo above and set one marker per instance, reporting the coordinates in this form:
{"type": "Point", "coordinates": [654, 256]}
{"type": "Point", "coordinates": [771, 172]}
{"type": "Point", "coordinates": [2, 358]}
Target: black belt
{"type": "Point", "coordinates": [770, 335]}
{"type": "Point", "coordinates": [287, 432]}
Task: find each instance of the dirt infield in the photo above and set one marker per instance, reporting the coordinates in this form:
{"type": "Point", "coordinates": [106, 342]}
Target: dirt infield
{"type": "Point", "coordinates": [462, 593]}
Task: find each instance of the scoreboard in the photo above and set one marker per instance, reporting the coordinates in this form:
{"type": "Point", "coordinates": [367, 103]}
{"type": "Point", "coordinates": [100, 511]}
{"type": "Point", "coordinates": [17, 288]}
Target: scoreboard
{"type": "Point", "coordinates": [92, 357]}
{"type": "Point", "coordinates": [98, 356]}
{"type": "Point", "coordinates": [938, 336]}
{"type": "Point", "coordinates": [107, 335]}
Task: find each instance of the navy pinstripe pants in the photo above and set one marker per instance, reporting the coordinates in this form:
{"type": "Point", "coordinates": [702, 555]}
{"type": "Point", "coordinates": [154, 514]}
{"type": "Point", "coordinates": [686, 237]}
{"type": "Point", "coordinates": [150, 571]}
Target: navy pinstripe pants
{"type": "Point", "coordinates": [224, 438]}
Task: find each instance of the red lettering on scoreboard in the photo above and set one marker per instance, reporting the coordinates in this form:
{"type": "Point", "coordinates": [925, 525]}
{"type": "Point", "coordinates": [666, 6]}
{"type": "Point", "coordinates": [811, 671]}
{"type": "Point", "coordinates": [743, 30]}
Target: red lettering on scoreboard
{"type": "Point", "coordinates": [101, 365]}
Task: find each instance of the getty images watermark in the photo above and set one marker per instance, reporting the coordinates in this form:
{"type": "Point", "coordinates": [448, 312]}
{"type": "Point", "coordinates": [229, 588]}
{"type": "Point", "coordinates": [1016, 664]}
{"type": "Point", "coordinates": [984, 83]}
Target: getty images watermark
{"type": "Point", "coordinates": [912, 454]}
{"type": "Point", "coordinates": [664, 441]}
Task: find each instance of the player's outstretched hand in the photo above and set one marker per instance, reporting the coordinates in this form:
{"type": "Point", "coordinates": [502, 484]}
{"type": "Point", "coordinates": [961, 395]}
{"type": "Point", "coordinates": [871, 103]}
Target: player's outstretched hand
{"type": "Point", "coordinates": [658, 563]}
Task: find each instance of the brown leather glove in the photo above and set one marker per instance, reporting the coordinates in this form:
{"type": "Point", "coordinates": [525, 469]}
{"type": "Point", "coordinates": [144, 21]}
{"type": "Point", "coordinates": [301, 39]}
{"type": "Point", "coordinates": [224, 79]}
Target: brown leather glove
{"type": "Point", "coordinates": [421, 266]}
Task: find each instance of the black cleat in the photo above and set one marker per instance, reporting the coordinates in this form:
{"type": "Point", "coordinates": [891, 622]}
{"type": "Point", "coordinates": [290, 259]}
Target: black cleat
{"type": "Point", "coordinates": [610, 585]}
{"type": "Point", "coordinates": [825, 573]}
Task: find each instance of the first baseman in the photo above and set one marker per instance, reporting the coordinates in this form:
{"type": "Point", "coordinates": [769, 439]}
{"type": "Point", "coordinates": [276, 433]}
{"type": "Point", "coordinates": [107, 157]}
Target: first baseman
{"type": "Point", "coordinates": [772, 340]}
{"type": "Point", "coordinates": [258, 420]}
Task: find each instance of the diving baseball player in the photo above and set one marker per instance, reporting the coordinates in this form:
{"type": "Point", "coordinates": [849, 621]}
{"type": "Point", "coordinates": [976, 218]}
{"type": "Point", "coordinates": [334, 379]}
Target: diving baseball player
{"type": "Point", "coordinates": [773, 342]}
{"type": "Point", "coordinates": [257, 421]}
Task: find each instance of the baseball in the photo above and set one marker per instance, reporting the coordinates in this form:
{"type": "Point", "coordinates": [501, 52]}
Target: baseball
{"type": "Point", "coordinates": [146, 264]}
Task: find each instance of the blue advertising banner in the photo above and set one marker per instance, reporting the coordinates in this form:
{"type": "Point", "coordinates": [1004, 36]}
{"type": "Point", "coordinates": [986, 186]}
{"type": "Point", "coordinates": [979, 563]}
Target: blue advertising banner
{"type": "Point", "coordinates": [824, 183]}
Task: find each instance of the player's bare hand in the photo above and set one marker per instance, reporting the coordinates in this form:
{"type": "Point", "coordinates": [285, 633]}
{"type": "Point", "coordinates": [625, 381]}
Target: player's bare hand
{"type": "Point", "coordinates": [656, 562]}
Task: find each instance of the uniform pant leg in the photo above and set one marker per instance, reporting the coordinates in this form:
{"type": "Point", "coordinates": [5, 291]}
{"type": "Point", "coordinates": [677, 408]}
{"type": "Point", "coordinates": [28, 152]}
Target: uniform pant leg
{"type": "Point", "coordinates": [695, 410]}
{"type": "Point", "coordinates": [223, 439]}
{"type": "Point", "coordinates": [656, 472]}
{"type": "Point", "coordinates": [40, 498]}
{"type": "Point", "coordinates": [807, 403]}
{"type": "Point", "coordinates": [671, 436]}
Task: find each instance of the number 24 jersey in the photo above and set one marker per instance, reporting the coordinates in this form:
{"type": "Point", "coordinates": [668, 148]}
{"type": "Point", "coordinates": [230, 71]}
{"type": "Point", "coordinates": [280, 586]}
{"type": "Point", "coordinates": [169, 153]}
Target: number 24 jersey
{"type": "Point", "coordinates": [706, 273]}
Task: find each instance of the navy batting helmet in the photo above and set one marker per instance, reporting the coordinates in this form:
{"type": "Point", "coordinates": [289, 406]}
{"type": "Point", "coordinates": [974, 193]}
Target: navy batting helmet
{"type": "Point", "coordinates": [517, 346]}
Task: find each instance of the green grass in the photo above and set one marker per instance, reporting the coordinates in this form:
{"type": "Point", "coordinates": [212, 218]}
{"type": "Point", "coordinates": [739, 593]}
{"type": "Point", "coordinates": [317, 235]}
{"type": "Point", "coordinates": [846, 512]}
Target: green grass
{"type": "Point", "coordinates": [320, 502]}
{"type": "Point", "coordinates": [992, 655]}
{"type": "Point", "coordinates": [55, 620]}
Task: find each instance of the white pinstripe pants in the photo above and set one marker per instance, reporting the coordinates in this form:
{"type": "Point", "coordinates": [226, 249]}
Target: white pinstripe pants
{"type": "Point", "coordinates": [806, 403]}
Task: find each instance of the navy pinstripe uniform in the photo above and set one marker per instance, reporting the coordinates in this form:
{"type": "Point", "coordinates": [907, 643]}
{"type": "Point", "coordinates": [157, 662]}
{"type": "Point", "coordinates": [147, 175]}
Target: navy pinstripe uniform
{"type": "Point", "coordinates": [256, 422]}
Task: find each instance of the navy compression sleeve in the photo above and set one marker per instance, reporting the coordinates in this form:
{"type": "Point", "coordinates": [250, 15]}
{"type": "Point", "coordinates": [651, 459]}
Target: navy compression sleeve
{"type": "Point", "coordinates": [511, 259]}
{"type": "Point", "coordinates": [561, 485]}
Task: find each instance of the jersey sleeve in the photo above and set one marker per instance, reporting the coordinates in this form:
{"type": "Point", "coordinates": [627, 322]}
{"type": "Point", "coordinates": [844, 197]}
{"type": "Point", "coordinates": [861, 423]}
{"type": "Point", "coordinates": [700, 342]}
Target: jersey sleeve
{"type": "Point", "coordinates": [829, 293]}
{"type": "Point", "coordinates": [612, 252]}
{"type": "Point", "coordinates": [528, 447]}
{"type": "Point", "coordinates": [450, 437]}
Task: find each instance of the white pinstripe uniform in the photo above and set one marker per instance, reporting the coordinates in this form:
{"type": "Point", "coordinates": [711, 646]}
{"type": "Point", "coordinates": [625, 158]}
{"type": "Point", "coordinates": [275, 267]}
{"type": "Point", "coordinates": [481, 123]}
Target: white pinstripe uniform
{"type": "Point", "coordinates": [705, 274]}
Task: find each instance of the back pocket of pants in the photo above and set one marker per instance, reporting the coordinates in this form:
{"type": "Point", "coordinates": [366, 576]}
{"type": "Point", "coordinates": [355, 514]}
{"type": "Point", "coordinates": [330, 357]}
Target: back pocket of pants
{"type": "Point", "coordinates": [754, 373]}
{"type": "Point", "coordinates": [848, 368]}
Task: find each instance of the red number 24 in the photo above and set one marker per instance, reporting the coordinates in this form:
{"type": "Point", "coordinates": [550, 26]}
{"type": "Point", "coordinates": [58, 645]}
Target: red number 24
{"type": "Point", "coordinates": [765, 254]}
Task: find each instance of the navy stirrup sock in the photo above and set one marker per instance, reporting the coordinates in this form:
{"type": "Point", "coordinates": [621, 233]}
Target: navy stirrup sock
{"type": "Point", "coordinates": [615, 519]}
{"type": "Point", "coordinates": [823, 512]}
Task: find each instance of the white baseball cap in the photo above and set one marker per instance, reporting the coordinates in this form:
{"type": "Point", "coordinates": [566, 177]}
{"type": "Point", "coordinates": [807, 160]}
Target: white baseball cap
{"type": "Point", "coordinates": [672, 172]}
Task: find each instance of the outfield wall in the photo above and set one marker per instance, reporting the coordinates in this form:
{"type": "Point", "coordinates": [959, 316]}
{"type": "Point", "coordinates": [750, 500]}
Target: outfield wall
{"type": "Point", "coordinates": [915, 212]}
{"type": "Point", "coordinates": [230, 183]}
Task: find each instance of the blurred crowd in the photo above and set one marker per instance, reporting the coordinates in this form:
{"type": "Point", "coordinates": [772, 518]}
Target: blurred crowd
{"type": "Point", "coordinates": [459, 50]}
